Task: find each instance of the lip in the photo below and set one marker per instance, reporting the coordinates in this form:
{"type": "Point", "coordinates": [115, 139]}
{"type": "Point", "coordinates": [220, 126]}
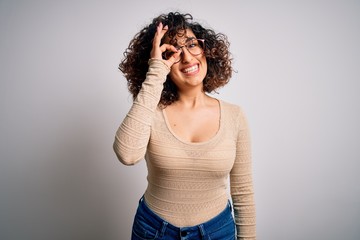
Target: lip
{"type": "Point", "coordinates": [191, 72]}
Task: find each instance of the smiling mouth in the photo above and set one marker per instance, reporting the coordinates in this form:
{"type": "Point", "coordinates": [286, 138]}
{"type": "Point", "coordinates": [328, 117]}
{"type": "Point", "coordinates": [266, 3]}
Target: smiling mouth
{"type": "Point", "coordinates": [191, 69]}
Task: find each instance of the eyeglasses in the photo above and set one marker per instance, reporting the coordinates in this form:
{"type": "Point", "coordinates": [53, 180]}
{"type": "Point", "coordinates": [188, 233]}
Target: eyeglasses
{"type": "Point", "coordinates": [193, 45]}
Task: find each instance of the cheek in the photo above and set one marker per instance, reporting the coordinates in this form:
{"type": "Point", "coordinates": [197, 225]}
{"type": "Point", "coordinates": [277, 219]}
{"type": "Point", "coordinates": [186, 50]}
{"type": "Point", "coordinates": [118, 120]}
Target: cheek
{"type": "Point", "coordinates": [203, 61]}
{"type": "Point", "coordinates": [204, 65]}
{"type": "Point", "coordinates": [175, 70]}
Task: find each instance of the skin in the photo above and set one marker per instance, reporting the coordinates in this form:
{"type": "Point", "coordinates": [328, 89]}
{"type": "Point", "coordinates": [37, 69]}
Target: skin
{"type": "Point", "coordinates": [195, 117]}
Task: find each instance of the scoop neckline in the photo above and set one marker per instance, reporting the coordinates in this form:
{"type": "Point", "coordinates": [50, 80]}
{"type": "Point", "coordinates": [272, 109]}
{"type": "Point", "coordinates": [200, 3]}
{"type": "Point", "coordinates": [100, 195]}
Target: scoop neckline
{"type": "Point", "coordinates": [196, 143]}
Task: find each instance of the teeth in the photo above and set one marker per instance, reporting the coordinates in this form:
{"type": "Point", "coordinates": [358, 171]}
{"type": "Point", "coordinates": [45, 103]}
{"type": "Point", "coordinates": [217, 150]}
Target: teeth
{"type": "Point", "coordinates": [191, 69]}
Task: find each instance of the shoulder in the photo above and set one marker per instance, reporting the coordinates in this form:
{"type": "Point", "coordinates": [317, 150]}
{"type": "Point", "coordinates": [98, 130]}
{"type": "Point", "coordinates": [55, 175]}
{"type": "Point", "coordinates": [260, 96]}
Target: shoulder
{"type": "Point", "coordinates": [233, 113]}
{"type": "Point", "coordinates": [231, 108]}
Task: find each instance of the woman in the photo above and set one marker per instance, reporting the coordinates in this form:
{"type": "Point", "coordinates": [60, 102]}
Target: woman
{"type": "Point", "coordinates": [191, 142]}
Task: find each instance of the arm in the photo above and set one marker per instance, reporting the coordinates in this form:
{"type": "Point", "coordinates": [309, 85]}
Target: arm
{"type": "Point", "coordinates": [132, 136]}
{"type": "Point", "coordinates": [134, 132]}
{"type": "Point", "coordinates": [242, 185]}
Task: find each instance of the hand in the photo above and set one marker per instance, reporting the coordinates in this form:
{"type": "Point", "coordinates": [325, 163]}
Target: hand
{"type": "Point", "coordinates": [157, 50]}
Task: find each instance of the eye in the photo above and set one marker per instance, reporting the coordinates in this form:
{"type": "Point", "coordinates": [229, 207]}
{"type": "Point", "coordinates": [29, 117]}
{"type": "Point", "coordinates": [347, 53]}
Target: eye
{"type": "Point", "coordinates": [192, 44]}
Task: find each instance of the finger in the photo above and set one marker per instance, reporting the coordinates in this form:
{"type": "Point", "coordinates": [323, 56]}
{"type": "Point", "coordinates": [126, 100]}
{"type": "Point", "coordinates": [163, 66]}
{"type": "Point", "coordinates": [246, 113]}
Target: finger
{"type": "Point", "coordinates": [161, 29]}
{"type": "Point", "coordinates": [172, 60]}
{"type": "Point", "coordinates": [175, 56]}
{"type": "Point", "coordinates": [160, 32]}
{"type": "Point", "coordinates": [174, 49]}
{"type": "Point", "coordinates": [157, 39]}
{"type": "Point", "coordinates": [168, 47]}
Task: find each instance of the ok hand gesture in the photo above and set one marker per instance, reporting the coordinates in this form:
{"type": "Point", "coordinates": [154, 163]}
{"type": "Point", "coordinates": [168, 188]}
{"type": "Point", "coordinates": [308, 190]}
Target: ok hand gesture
{"type": "Point", "coordinates": [158, 50]}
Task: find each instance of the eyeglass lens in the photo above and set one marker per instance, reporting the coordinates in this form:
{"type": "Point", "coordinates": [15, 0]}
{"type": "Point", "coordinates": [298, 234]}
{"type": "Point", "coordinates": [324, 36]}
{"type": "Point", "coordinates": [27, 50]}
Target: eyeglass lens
{"type": "Point", "coordinates": [194, 46]}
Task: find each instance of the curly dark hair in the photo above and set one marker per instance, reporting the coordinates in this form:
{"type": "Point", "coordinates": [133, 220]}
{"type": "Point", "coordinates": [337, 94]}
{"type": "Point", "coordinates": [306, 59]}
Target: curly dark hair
{"type": "Point", "coordinates": [136, 56]}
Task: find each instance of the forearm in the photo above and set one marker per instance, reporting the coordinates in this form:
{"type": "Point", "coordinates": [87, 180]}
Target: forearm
{"type": "Point", "coordinates": [241, 181]}
{"type": "Point", "coordinates": [244, 208]}
{"type": "Point", "coordinates": [133, 134]}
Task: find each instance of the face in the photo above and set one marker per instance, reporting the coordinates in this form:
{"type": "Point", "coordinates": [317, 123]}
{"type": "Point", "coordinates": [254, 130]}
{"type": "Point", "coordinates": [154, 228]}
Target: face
{"type": "Point", "coordinates": [191, 70]}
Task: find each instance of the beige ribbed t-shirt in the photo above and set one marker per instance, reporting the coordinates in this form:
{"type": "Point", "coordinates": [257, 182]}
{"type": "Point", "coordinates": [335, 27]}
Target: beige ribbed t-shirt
{"type": "Point", "coordinates": [188, 182]}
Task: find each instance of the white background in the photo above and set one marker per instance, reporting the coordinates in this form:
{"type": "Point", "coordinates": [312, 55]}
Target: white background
{"type": "Point", "coordinates": [62, 99]}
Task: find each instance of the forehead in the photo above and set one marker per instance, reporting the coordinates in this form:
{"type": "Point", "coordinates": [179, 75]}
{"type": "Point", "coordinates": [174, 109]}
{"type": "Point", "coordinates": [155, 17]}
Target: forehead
{"type": "Point", "coordinates": [181, 37]}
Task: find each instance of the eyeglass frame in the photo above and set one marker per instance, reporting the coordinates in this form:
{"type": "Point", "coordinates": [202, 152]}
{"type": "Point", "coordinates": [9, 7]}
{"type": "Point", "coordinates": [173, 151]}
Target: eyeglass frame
{"type": "Point", "coordinates": [180, 47]}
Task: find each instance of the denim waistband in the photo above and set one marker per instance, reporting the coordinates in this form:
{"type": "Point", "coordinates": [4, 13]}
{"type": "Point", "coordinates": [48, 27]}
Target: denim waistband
{"type": "Point", "coordinates": [215, 223]}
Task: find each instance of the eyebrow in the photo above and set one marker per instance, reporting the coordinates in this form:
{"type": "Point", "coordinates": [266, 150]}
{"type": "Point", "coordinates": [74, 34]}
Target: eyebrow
{"type": "Point", "coordinates": [186, 40]}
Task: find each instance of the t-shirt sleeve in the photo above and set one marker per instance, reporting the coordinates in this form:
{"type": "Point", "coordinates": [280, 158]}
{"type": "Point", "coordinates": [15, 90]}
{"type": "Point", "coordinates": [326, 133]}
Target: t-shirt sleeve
{"type": "Point", "coordinates": [133, 134]}
{"type": "Point", "coordinates": [241, 183]}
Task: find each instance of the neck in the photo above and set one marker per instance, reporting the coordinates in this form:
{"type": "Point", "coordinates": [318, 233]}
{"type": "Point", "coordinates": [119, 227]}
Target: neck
{"type": "Point", "coordinates": [192, 99]}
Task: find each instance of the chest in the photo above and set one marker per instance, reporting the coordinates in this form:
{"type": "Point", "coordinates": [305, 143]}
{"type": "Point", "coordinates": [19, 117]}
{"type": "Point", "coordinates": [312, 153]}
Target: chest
{"type": "Point", "coordinates": [193, 126]}
{"type": "Point", "coordinates": [168, 151]}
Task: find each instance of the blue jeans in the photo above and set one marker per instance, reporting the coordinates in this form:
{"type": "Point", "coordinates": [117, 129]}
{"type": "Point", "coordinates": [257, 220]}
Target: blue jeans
{"type": "Point", "coordinates": [149, 226]}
